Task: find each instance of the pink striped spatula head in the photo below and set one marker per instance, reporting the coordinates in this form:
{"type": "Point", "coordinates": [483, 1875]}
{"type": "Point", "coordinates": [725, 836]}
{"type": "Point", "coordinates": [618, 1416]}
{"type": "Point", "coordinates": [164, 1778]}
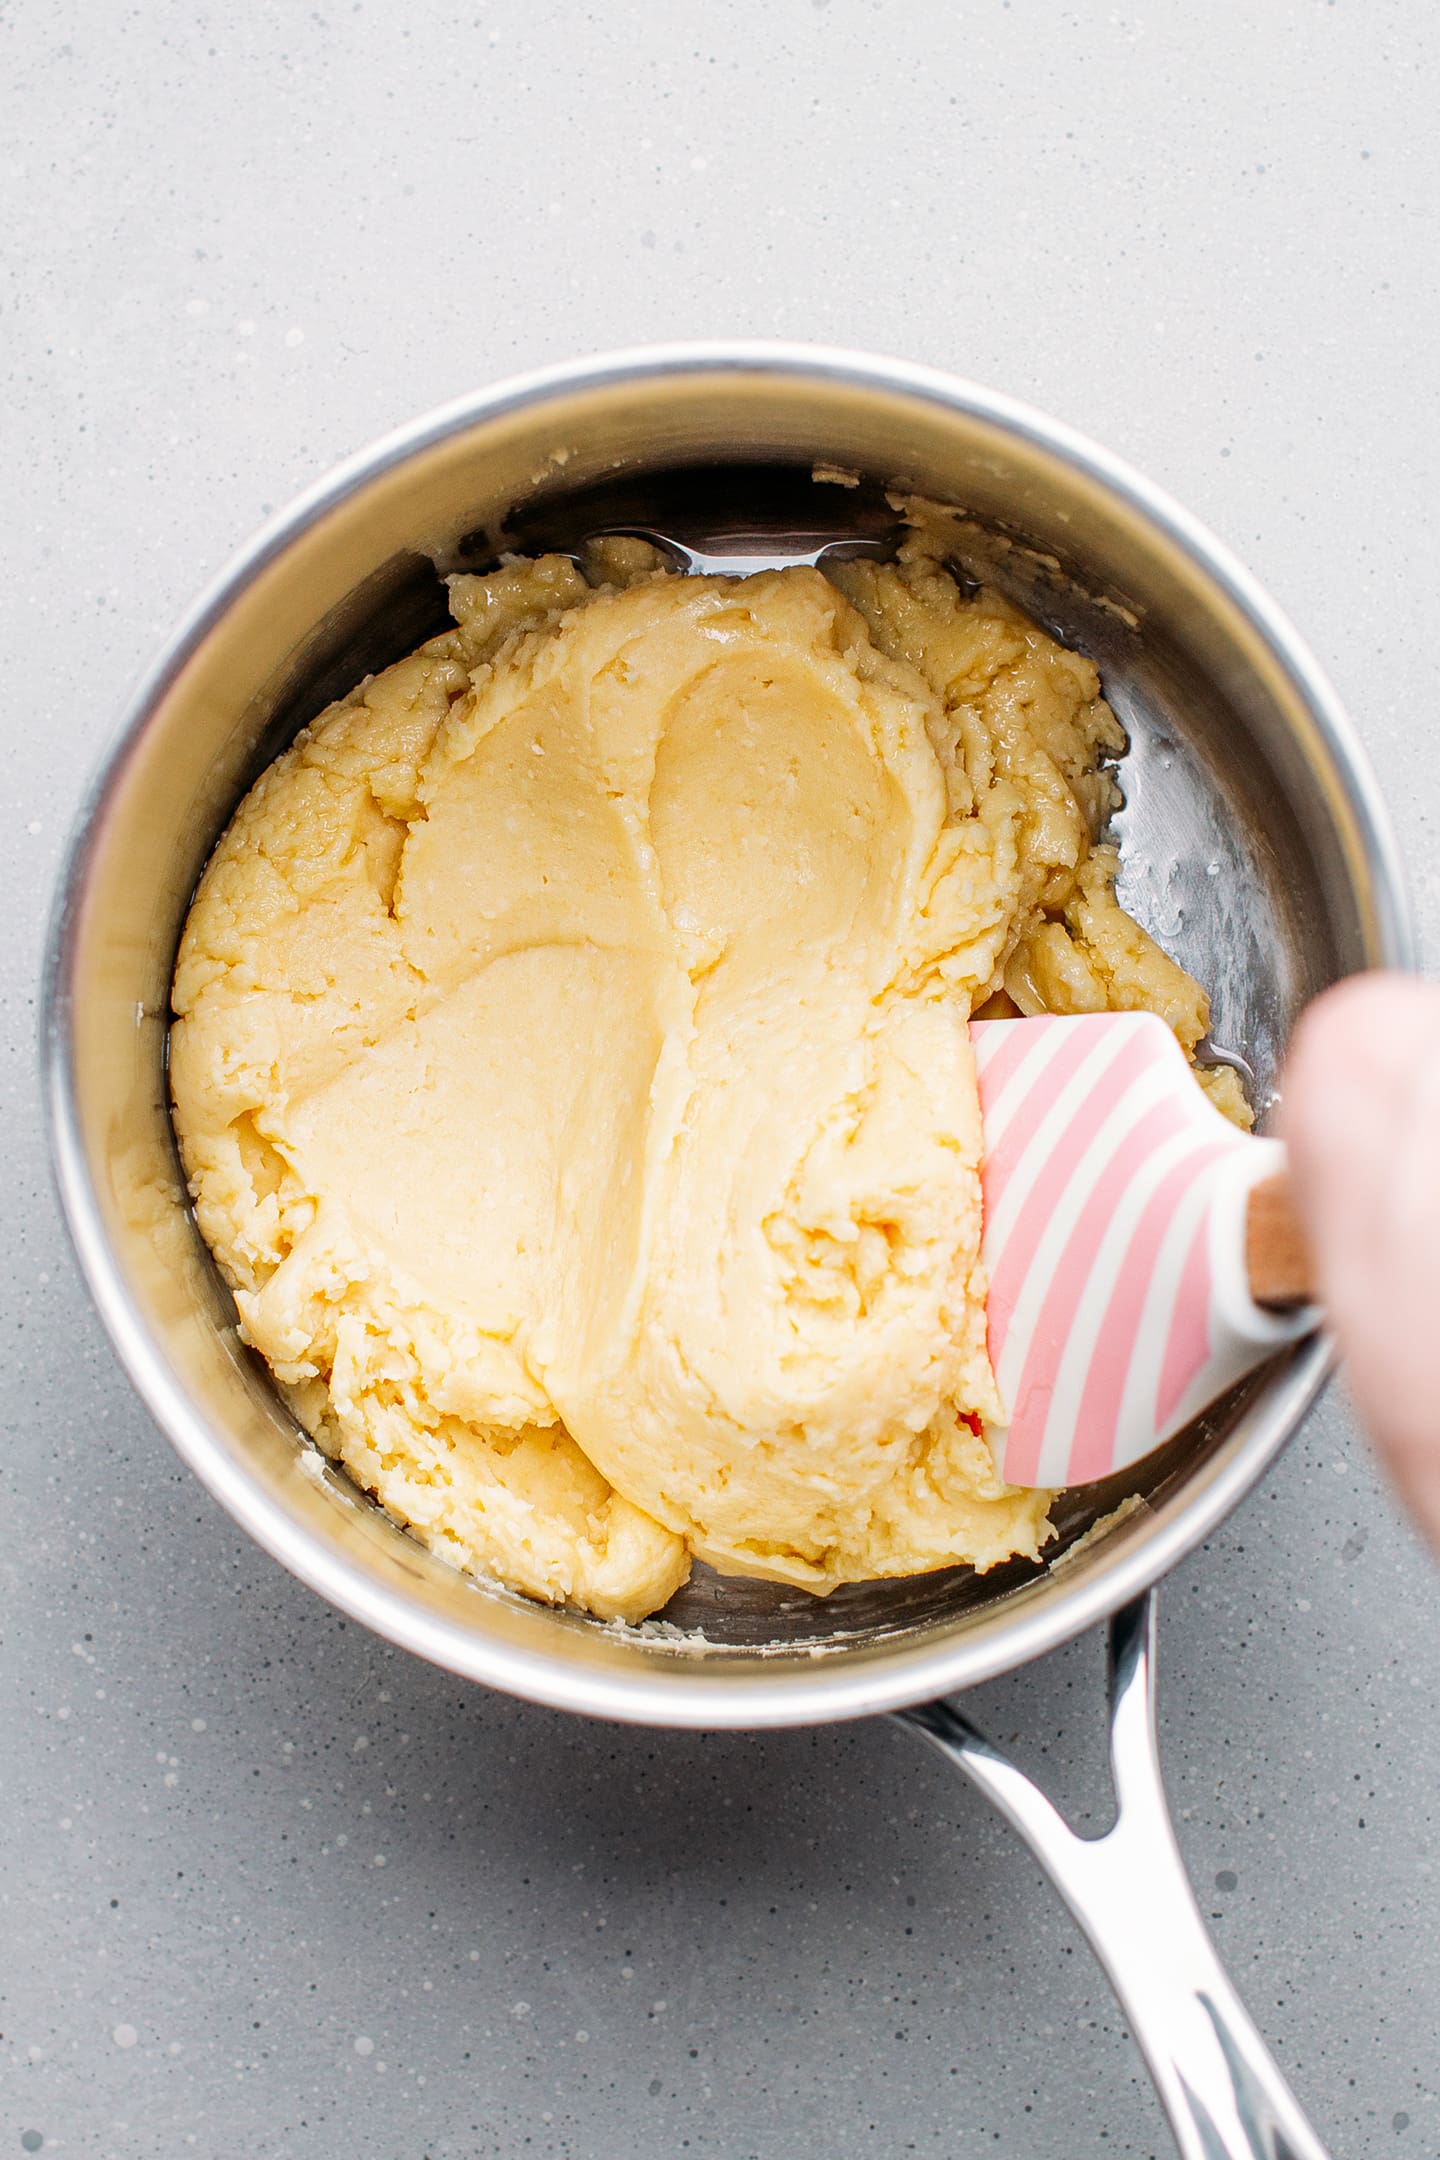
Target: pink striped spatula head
{"type": "Point", "coordinates": [1115, 1232]}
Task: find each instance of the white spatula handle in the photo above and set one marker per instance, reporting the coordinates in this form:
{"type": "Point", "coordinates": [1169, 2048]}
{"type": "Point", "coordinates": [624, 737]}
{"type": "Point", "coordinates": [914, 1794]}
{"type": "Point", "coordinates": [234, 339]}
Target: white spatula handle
{"type": "Point", "coordinates": [1220, 2087]}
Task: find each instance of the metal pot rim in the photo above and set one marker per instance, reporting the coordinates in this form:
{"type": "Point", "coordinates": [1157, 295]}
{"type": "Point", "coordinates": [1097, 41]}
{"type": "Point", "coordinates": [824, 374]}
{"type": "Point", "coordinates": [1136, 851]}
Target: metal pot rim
{"type": "Point", "coordinates": [677, 1690]}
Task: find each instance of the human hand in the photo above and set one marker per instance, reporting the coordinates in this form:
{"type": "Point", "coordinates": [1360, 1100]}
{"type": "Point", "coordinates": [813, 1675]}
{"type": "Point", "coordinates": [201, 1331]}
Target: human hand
{"type": "Point", "coordinates": [1361, 1118]}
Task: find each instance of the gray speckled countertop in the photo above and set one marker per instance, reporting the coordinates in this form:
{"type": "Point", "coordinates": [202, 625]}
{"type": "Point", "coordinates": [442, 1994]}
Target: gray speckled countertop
{"type": "Point", "coordinates": [270, 1888]}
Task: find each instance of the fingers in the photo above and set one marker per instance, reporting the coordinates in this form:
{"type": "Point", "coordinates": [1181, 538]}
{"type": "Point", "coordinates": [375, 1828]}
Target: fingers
{"type": "Point", "coordinates": [1361, 1118]}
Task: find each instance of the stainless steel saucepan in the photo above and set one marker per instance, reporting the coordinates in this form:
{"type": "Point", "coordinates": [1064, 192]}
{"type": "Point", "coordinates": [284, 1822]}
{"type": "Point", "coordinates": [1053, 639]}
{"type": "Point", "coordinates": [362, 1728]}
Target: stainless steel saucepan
{"type": "Point", "coordinates": [1255, 847]}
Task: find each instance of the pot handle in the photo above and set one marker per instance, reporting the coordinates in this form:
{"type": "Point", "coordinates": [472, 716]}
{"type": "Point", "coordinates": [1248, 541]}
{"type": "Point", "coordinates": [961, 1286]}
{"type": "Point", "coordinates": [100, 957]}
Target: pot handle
{"type": "Point", "coordinates": [1222, 2091]}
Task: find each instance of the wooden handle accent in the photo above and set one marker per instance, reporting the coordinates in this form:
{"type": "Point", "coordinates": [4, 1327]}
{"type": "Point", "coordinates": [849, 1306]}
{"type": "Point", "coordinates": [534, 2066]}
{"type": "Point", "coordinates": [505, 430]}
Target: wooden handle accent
{"type": "Point", "coordinates": [1277, 1258]}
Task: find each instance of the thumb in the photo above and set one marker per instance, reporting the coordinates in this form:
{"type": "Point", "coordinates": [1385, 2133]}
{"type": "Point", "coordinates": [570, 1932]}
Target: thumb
{"type": "Point", "coordinates": [1361, 1119]}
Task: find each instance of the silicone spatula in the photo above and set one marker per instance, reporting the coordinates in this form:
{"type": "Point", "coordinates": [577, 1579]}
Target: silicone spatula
{"type": "Point", "coordinates": [1141, 1251]}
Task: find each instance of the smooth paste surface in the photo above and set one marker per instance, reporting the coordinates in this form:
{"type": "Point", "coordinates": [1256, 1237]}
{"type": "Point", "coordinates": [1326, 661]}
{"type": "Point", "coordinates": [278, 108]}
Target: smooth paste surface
{"type": "Point", "coordinates": [571, 1070]}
